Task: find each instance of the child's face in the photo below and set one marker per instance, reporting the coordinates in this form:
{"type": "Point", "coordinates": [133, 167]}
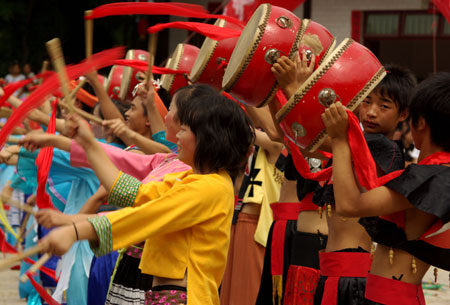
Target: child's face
{"type": "Point", "coordinates": [379, 114]}
{"type": "Point", "coordinates": [135, 116]}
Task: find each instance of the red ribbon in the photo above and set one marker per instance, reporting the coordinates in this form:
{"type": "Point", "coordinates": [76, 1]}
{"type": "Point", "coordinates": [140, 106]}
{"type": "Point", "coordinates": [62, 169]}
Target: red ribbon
{"type": "Point", "coordinates": [43, 163]}
{"type": "Point", "coordinates": [152, 8]}
{"type": "Point", "coordinates": [35, 99]}
{"type": "Point", "coordinates": [42, 292]}
{"type": "Point", "coordinates": [212, 31]}
{"type": "Point", "coordinates": [143, 66]}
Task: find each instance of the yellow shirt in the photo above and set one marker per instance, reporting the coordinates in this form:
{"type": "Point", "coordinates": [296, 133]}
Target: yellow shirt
{"type": "Point", "coordinates": [186, 222]}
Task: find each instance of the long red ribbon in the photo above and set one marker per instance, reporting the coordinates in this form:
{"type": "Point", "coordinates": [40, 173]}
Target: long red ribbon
{"type": "Point", "coordinates": [36, 98]}
{"type": "Point", "coordinates": [212, 31]}
{"type": "Point", "coordinates": [43, 163]}
{"type": "Point", "coordinates": [153, 8]}
{"type": "Point", "coordinates": [143, 66]}
{"type": "Point", "coordinates": [42, 292]}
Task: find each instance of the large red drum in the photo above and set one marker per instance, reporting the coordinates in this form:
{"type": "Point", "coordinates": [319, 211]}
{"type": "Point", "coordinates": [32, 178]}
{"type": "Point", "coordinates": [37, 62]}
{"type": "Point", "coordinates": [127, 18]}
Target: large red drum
{"type": "Point", "coordinates": [270, 33]}
{"type": "Point", "coordinates": [182, 59]}
{"type": "Point", "coordinates": [348, 75]}
{"type": "Point", "coordinates": [131, 77]}
{"type": "Point", "coordinates": [316, 40]}
{"type": "Point", "coordinates": [213, 57]}
{"type": "Point", "coordinates": [113, 83]}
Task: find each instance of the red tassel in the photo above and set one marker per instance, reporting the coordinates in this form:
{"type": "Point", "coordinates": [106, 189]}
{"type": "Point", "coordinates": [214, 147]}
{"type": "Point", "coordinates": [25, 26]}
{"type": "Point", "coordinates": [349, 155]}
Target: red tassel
{"type": "Point", "coordinates": [47, 298]}
{"type": "Point", "coordinates": [152, 8]}
{"type": "Point", "coordinates": [43, 163]}
{"type": "Point", "coordinates": [212, 31]}
{"type": "Point", "coordinates": [35, 99]}
{"type": "Point", "coordinates": [143, 66]}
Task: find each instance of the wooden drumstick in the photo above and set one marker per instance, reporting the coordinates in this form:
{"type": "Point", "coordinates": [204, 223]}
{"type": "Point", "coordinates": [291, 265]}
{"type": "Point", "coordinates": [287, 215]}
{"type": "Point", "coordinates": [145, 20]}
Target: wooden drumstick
{"type": "Point", "coordinates": [55, 51]}
{"type": "Point", "coordinates": [43, 69]}
{"type": "Point", "coordinates": [152, 42]}
{"type": "Point", "coordinates": [89, 33]}
{"type": "Point", "coordinates": [5, 112]}
{"type": "Point", "coordinates": [84, 114]}
{"type": "Point", "coordinates": [35, 267]}
{"type": "Point", "coordinates": [21, 206]}
{"type": "Point", "coordinates": [73, 93]}
{"type": "Point", "coordinates": [11, 261]}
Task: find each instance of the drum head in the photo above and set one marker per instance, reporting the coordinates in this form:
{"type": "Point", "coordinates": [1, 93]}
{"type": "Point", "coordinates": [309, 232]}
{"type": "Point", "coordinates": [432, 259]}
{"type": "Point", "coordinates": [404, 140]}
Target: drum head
{"type": "Point", "coordinates": [172, 63]}
{"type": "Point", "coordinates": [205, 54]}
{"type": "Point", "coordinates": [246, 46]}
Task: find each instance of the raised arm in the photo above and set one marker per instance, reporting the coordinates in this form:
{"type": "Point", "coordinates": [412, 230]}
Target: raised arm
{"type": "Point", "coordinates": [350, 202]}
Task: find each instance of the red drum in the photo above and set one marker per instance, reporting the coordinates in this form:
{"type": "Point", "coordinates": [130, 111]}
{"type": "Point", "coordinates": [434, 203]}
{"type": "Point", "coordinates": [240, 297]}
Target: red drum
{"type": "Point", "coordinates": [348, 75]}
{"type": "Point", "coordinates": [317, 40]}
{"type": "Point", "coordinates": [130, 76]}
{"type": "Point", "coordinates": [182, 59]}
{"type": "Point", "coordinates": [271, 32]}
{"type": "Point", "coordinates": [113, 83]}
{"type": "Point", "coordinates": [213, 57]}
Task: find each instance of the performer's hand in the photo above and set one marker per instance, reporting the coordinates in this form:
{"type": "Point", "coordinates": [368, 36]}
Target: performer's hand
{"type": "Point", "coordinates": [79, 130]}
{"type": "Point", "coordinates": [304, 69]}
{"type": "Point", "coordinates": [118, 128]}
{"type": "Point", "coordinates": [34, 140]}
{"type": "Point", "coordinates": [147, 94]}
{"type": "Point", "coordinates": [59, 240]}
{"type": "Point", "coordinates": [50, 218]}
{"type": "Point", "coordinates": [285, 72]}
{"type": "Point", "coordinates": [335, 119]}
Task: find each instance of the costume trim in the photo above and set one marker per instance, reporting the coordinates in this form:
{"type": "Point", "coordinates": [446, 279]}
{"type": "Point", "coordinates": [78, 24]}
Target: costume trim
{"type": "Point", "coordinates": [124, 191]}
{"type": "Point", "coordinates": [102, 227]}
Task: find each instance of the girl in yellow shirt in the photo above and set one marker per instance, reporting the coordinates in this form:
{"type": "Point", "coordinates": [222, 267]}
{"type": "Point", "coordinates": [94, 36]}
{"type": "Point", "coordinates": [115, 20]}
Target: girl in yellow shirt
{"type": "Point", "coordinates": [187, 216]}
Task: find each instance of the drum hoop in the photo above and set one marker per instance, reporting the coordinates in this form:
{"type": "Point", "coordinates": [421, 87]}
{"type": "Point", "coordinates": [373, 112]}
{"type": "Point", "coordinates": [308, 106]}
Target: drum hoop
{"type": "Point", "coordinates": [127, 71]}
{"type": "Point", "coordinates": [369, 87]}
{"type": "Point", "coordinates": [176, 64]}
{"type": "Point", "coordinates": [312, 80]}
{"type": "Point", "coordinates": [250, 51]}
{"type": "Point", "coordinates": [205, 60]}
{"type": "Point", "coordinates": [328, 51]}
{"type": "Point", "coordinates": [292, 53]}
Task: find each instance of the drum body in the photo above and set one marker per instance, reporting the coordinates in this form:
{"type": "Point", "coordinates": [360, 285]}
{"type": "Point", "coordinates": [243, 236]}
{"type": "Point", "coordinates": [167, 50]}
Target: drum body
{"type": "Point", "coordinates": [317, 40]}
{"type": "Point", "coordinates": [113, 83]}
{"type": "Point", "coordinates": [130, 76]}
{"type": "Point", "coordinates": [348, 75]}
{"type": "Point", "coordinates": [270, 33]}
{"type": "Point", "coordinates": [182, 59]}
{"type": "Point", "coordinates": [209, 67]}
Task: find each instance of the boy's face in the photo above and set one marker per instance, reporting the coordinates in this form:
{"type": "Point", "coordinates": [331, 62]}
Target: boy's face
{"type": "Point", "coordinates": [379, 114]}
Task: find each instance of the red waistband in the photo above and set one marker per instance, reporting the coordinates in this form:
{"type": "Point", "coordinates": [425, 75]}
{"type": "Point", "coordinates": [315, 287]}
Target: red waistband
{"type": "Point", "coordinates": [337, 264]}
{"type": "Point", "coordinates": [392, 292]}
{"type": "Point", "coordinates": [349, 264]}
{"type": "Point", "coordinates": [285, 210]}
{"type": "Point", "coordinates": [307, 205]}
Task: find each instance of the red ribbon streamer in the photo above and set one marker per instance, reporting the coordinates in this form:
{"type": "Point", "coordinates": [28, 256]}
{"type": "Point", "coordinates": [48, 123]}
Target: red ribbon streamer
{"type": "Point", "coordinates": [43, 163]}
{"type": "Point", "coordinates": [42, 292]}
{"type": "Point", "coordinates": [143, 66]}
{"type": "Point", "coordinates": [35, 99]}
{"type": "Point", "coordinates": [152, 8]}
{"type": "Point", "coordinates": [212, 31]}
{"type": "Point", "coordinates": [11, 88]}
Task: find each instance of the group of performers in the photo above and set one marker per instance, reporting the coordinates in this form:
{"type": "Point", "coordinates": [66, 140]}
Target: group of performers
{"type": "Point", "coordinates": [176, 192]}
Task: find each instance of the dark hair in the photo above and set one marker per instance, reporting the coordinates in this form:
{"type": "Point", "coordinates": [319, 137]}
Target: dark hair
{"type": "Point", "coordinates": [224, 134]}
{"type": "Point", "coordinates": [431, 101]}
{"type": "Point", "coordinates": [121, 106]}
{"type": "Point", "coordinates": [398, 85]}
{"type": "Point", "coordinates": [165, 97]}
{"type": "Point", "coordinates": [184, 95]}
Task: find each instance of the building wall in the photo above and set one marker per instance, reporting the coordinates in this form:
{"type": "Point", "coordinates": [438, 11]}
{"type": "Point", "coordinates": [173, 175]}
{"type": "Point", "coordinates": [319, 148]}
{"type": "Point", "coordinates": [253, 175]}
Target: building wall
{"type": "Point", "coordinates": [335, 15]}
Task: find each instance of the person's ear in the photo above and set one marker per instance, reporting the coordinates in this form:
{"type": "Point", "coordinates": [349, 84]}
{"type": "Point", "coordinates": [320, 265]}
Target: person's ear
{"type": "Point", "coordinates": [421, 124]}
{"type": "Point", "coordinates": [403, 115]}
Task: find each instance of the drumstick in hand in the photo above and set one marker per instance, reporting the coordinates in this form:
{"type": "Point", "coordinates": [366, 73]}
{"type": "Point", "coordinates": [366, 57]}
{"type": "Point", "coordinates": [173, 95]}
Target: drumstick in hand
{"type": "Point", "coordinates": [11, 261]}
{"type": "Point", "coordinates": [35, 267]}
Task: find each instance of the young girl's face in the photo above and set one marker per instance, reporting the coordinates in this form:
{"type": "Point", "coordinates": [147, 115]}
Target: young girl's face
{"type": "Point", "coordinates": [186, 142]}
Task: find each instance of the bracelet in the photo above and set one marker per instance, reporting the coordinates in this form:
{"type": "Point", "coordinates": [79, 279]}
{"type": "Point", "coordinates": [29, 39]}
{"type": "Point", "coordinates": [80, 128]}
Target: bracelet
{"type": "Point", "coordinates": [76, 231]}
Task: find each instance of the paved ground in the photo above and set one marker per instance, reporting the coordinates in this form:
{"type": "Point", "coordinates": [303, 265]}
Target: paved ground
{"type": "Point", "coordinates": [9, 280]}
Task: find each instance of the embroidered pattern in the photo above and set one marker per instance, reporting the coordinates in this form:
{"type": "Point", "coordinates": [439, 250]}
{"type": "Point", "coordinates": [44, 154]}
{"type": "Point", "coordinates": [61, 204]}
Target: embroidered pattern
{"type": "Point", "coordinates": [124, 191]}
{"type": "Point", "coordinates": [102, 227]}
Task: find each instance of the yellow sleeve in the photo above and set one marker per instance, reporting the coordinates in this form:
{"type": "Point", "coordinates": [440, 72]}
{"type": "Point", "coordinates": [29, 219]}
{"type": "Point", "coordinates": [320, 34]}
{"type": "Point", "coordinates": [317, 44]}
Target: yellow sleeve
{"type": "Point", "coordinates": [191, 200]}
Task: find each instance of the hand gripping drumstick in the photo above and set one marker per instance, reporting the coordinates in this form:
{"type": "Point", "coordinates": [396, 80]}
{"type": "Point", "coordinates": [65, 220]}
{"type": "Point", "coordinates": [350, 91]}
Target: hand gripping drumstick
{"type": "Point", "coordinates": [11, 261]}
{"type": "Point", "coordinates": [88, 33]}
{"type": "Point", "coordinates": [35, 267]}
{"type": "Point", "coordinates": [55, 51]}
